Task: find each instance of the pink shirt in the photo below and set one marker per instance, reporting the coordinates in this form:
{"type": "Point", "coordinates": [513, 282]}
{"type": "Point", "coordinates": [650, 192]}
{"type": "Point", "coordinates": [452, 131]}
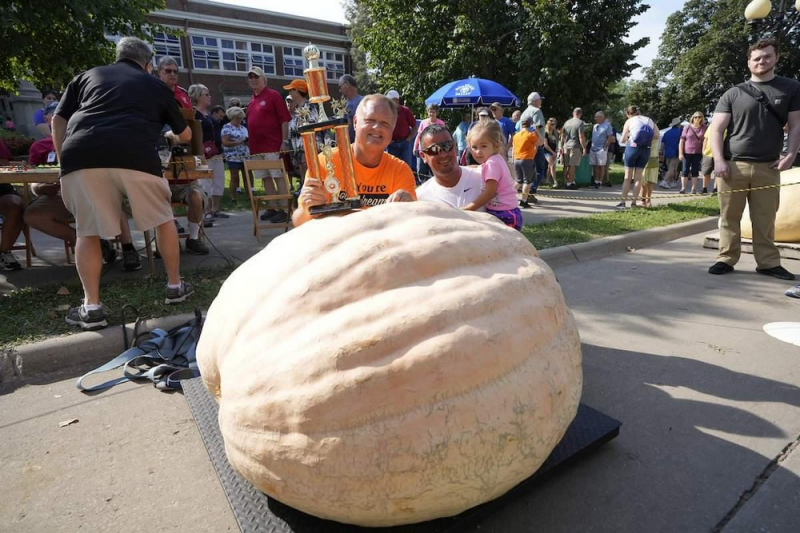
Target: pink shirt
{"type": "Point", "coordinates": [693, 139]}
{"type": "Point", "coordinates": [496, 168]}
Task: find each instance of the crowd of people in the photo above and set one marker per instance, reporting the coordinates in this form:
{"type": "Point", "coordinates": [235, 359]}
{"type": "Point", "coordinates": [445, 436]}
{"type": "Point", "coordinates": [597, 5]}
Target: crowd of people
{"type": "Point", "coordinates": [492, 163]}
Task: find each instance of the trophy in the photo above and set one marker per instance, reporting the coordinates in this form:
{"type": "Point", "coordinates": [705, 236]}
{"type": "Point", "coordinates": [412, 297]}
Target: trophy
{"type": "Point", "coordinates": [336, 170]}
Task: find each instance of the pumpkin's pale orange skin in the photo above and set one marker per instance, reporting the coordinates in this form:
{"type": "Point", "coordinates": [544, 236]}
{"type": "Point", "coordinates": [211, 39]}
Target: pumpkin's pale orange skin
{"type": "Point", "coordinates": [393, 366]}
{"type": "Point", "coordinates": [787, 219]}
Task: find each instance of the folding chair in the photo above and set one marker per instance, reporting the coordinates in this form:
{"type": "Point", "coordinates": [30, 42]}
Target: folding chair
{"type": "Point", "coordinates": [282, 193]}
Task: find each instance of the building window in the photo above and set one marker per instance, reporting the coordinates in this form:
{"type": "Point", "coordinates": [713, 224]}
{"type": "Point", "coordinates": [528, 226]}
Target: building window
{"type": "Point", "coordinates": [234, 55]}
{"type": "Point", "coordinates": [293, 62]}
{"type": "Point", "coordinates": [205, 52]}
{"type": "Point", "coordinates": [263, 55]}
{"type": "Point", "coordinates": [333, 63]}
{"type": "Point", "coordinates": [167, 45]}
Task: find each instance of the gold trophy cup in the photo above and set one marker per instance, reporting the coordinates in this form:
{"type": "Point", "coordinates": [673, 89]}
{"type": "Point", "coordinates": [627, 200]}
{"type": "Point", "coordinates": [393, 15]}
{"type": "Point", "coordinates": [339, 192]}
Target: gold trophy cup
{"type": "Point", "coordinates": [339, 183]}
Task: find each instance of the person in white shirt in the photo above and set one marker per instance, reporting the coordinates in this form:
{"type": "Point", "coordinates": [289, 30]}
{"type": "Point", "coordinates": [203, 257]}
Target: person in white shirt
{"type": "Point", "coordinates": [453, 185]}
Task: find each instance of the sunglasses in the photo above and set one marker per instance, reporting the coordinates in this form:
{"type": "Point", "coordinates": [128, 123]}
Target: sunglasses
{"type": "Point", "coordinates": [693, 118]}
{"type": "Point", "coordinates": [438, 148]}
{"type": "Point", "coordinates": [171, 70]}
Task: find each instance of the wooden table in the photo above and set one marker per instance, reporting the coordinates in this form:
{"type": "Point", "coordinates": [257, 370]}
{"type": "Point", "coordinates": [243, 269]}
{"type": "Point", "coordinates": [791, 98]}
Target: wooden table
{"type": "Point", "coordinates": [28, 176]}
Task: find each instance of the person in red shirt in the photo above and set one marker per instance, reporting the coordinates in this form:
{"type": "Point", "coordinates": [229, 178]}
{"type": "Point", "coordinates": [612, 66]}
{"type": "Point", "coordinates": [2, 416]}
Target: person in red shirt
{"type": "Point", "coordinates": [268, 126]}
{"type": "Point", "coordinates": [403, 135]}
{"type": "Point", "coordinates": [168, 73]}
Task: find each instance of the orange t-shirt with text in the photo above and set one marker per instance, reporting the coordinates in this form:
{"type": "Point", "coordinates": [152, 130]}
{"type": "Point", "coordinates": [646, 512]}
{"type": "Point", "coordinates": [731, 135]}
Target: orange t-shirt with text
{"type": "Point", "coordinates": [525, 144]}
{"type": "Point", "coordinates": [375, 185]}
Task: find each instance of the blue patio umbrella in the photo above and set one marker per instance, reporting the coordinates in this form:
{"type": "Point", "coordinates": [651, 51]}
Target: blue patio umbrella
{"type": "Point", "coordinates": [472, 91]}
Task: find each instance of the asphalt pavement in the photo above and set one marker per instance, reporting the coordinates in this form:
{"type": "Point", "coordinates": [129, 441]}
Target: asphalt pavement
{"type": "Point", "coordinates": [709, 403]}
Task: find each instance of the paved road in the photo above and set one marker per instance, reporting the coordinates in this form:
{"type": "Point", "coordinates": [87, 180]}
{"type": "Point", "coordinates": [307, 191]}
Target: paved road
{"type": "Point", "coordinates": [710, 407]}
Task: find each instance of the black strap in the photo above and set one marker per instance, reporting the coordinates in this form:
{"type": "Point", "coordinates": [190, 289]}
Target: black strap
{"type": "Point", "coordinates": [759, 96]}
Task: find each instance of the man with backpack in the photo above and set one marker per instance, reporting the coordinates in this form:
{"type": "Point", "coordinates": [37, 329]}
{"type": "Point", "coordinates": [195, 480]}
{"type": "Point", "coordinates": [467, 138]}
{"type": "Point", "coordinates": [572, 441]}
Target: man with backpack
{"type": "Point", "coordinates": [753, 114]}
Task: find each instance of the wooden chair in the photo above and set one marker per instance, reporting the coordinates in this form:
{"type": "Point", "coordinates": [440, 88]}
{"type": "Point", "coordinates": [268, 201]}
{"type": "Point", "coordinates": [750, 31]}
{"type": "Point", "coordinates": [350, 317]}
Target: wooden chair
{"type": "Point", "coordinates": [283, 196]}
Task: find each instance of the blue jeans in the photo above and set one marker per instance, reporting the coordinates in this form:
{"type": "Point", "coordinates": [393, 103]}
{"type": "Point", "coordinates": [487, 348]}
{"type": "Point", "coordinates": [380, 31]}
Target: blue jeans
{"type": "Point", "coordinates": [541, 167]}
{"type": "Point", "coordinates": [691, 165]}
{"type": "Point", "coordinates": [402, 150]}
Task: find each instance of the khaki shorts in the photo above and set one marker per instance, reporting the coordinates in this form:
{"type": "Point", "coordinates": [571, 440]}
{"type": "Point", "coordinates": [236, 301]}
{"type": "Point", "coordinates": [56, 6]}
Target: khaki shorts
{"type": "Point", "coordinates": [94, 197]}
{"type": "Point", "coordinates": [572, 156]}
{"type": "Point", "coordinates": [181, 194]}
{"type": "Point", "coordinates": [261, 174]}
{"type": "Point", "coordinates": [707, 166]}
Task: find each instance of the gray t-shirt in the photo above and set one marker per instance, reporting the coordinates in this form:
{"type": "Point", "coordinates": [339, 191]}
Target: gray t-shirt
{"type": "Point", "coordinates": [572, 130]}
{"type": "Point", "coordinates": [753, 133]}
{"type": "Point", "coordinates": [538, 121]}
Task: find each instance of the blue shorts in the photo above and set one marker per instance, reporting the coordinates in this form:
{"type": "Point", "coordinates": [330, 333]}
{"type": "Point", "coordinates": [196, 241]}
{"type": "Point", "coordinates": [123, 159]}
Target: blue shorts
{"type": "Point", "coordinates": [235, 165]}
{"type": "Point", "coordinates": [511, 218]}
{"type": "Point", "coordinates": [636, 157]}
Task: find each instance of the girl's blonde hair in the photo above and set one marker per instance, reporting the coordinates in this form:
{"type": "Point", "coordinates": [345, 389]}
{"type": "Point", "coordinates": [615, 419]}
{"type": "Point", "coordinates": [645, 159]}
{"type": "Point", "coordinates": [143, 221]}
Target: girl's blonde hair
{"type": "Point", "coordinates": [490, 131]}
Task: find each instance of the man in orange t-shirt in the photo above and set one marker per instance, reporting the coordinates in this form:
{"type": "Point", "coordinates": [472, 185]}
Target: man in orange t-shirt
{"type": "Point", "coordinates": [380, 177]}
{"type": "Point", "coordinates": [525, 148]}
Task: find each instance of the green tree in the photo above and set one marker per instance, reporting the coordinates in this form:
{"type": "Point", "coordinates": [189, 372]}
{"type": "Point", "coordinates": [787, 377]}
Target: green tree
{"type": "Point", "coordinates": [568, 50]}
{"type": "Point", "coordinates": [703, 53]}
{"type": "Point", "coordinates": [48, 43]}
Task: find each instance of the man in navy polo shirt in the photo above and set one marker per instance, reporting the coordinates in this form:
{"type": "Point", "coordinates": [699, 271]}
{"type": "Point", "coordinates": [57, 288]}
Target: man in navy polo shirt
{"type": "Point", "coordinates": [105, 131]}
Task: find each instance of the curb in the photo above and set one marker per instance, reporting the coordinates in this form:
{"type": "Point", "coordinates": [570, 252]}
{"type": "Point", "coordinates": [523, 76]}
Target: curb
{"type": "Point", "coordinates": [89, 347]}
{"type": "Point", "coordinates": [570, 254]}
{"type": "Point", "coordinates": [98, 347]}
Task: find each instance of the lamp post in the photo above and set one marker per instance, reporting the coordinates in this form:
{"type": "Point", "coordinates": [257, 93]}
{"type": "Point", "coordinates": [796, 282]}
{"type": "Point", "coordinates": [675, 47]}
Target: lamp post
{"type": "Point", "coordinates": [758, 17]}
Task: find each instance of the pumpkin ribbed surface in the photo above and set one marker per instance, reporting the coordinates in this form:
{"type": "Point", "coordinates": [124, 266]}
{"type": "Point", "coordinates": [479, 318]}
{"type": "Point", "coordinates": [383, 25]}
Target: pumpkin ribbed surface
{"type": "Point", "coordinates": [392, 366]}
{"type": "Point", "coordinates": [787, 219]}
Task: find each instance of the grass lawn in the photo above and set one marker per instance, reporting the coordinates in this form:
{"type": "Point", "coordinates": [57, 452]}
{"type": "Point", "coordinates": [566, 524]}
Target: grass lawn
{"type": "Point", "coordinates": [583, 229]}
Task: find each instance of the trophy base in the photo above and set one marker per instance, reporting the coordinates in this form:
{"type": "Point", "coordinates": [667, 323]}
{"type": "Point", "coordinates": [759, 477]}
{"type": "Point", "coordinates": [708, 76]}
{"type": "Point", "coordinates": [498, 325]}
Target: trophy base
{"type": "Point", "coordinates": [338, 207]}
{"type": "Point", "coordinates": [320, 126]}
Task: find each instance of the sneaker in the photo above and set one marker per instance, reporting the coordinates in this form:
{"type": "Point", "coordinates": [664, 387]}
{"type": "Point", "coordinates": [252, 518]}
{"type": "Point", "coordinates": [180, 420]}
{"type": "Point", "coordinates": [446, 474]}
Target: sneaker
{"type": "Point", "coordinates": [634, 205]}
{"type": "Point", "coordinates": [608, 184]}
{"type": "Point", "coordinates": [179, 294]}
{"type": "Point", "coordinates": [220, 214]}
{"type": "Point", "coordinates": [682, 191]}
{"type": "Point", "coordinates": [268, 214]}
{"type": "Point", "coordinates": [131, 260]}
{"type": "Point", "coordinates": [279, 217]}
{"type": "Point", "coordinates": [720, 268]}
{"type": "Point", "coordinates": [663, 184]}
{"type": "Point", "coordinates": [532, 198]}
{"type": "Point", "coordinates": [794, 292]}
{"type": "Point", "coordinates": [178, 227]}
{"type": "Point", "coordinates": [109, 253]}
{"type": "Point", "coordinates": [621, 206]}
{"type": "Point", "coordinates": [776, 272]}
{"type": "Point", "coordinates": [8, 261]}
{"type": "Point", "coordinates": [694, 191]}
{"type": "Point", "coordinates": [704, 191]}
{"type": "Point", "coordinates": [208, 223]}
{"type": "Point", "coordinates": [196, 246]}
{"type": "Point", "coordinates": [525, 205]}
{"type": "Point", "coordinates": [87, 320]}
{"type": "Point", "coordinates": [572, 186]}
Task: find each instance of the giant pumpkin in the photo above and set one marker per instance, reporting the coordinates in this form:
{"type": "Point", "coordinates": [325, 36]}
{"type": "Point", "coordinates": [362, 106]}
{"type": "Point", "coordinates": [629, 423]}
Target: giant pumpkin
{"type": "Point", "coordinates": [392, 366]}
{"type": "Point", "coordinates": [787, 219]}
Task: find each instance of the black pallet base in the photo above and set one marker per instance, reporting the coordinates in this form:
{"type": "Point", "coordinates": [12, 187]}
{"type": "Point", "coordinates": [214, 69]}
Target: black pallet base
{"type": "Point", "coordinates": [256, 512]}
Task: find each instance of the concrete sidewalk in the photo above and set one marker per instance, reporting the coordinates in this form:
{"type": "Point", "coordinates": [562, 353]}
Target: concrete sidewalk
{"type": "Point", "coordinates": [709, 405]}
{"type": "Point", "coordinates": [231, 240]}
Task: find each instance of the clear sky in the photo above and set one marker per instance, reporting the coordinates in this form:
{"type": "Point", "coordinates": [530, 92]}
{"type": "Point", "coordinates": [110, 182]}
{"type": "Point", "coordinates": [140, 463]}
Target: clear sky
{"type": "Point", "coordinates": [650, 24]}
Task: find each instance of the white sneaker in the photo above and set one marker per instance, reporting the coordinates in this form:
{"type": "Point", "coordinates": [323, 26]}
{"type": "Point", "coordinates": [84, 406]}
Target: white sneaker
{"type": "Point", "coordinates": [663, 184]}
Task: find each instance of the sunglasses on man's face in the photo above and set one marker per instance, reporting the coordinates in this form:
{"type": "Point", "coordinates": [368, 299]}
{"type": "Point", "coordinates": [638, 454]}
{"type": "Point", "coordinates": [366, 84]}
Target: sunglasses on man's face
{"type": "Point", "coordinates": [171, 70]}
{"type": "Point", "coordinates": [438, 148]}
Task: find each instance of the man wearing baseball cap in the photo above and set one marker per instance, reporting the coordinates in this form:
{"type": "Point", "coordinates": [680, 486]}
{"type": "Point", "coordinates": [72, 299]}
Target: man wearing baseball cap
{"type": "Point", "coordinates": [509, 128]}
{"type": "Point", "coordinates": [403, 135]}
{"type": "Point", "coordinates": [298, 93]}
{"type": "Point", "coordinates": [268, 126]}
{"type": "Point", "coordinates": [534, 111]}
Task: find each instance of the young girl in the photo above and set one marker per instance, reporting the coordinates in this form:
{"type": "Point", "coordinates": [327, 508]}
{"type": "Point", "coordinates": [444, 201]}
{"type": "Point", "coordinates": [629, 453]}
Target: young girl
{"type": "Point", "coordinates": [485, 141]}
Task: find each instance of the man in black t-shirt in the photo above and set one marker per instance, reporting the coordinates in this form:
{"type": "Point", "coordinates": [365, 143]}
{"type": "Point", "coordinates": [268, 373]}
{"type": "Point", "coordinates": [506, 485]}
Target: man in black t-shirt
{"type": "Point", "coordinates": [754, 114]}
{"type": "Point", "coordinates": [105, 131]}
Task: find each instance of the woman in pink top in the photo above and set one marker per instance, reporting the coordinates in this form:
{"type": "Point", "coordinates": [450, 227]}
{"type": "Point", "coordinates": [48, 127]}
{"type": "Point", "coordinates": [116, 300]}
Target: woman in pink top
{"type": "Point", "coordinates": [485, 141]}
{"type": "Point", "coordinates": [690, 150]}
{"type": "Point", "coordinates": [423, 170]}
